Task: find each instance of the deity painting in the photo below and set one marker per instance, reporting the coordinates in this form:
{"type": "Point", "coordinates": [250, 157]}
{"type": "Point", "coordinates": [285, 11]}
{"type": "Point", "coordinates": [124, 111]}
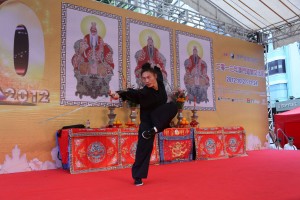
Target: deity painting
{"type": "Point", "coordinates": [196, 80]}
{"type": "Point", "coordinates": [195, 70]}
{"type": "Point", "coordinates": [93, 60]}
{"type": "Point", "coordinates": [91, 56]}
{"type": "Point", "coordinates": [150, 43]}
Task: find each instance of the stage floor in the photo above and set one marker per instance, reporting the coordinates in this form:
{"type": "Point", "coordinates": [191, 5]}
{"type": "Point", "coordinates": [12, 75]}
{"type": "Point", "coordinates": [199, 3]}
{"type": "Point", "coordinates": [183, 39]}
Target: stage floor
{"type": "Point", "coordinates": [262, 175]}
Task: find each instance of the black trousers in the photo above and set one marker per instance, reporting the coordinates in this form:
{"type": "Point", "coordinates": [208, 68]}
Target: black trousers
{"type": "Point", "coordinates": [160, 118]}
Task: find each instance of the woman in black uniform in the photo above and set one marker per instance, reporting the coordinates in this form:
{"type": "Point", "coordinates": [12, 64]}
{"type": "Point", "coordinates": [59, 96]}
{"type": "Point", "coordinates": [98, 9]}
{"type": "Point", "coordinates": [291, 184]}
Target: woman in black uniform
{"type": "Point", "coordinates": [155, 115]}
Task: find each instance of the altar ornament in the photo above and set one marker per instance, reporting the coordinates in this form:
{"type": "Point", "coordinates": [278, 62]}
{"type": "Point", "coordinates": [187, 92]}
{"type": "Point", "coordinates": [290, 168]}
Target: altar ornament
{"type": "Point", "coordinates": [179, 96]}
{"type": "Point", "coordinates": [111, 116]}
{"type": "Point", "coordinates": [194, 117]}
{"type": "Point", "coordinates": [130, 124]}
{"type": "Point", "coordinates": [184, 123]}
{"type": "Point", "coordinates": [133, 114]}
{"type": "Point", "coordinates": [179, 117]}
{"type": "Point", "coordinates": [117, 124]}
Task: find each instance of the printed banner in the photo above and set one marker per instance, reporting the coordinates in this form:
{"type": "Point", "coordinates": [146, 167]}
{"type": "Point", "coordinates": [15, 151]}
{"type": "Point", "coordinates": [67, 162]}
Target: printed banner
{"type": "Point", "coordinates": [176, 145]}
{"type": "Point", "coordinates": [147, 42]}
{"type": "Point", "coordinates": [22, 57]}
{"type": "Point", "coordinates": [195, 70]}
{"type": "Point", "coordinates": [91, 56]}
{"type": "Point", "coordinates": [209, 143]}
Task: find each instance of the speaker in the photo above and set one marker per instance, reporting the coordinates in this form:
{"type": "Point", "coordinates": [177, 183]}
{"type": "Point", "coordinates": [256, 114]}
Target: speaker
{"type": "Point", "coordinates": [266, 48]}
{"type": "Point", "coordinates": [259, 37]}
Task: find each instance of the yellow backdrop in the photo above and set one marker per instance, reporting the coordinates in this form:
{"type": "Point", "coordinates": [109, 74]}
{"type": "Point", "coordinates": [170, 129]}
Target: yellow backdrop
{"type": "Point", "coordinates": [27, 132]}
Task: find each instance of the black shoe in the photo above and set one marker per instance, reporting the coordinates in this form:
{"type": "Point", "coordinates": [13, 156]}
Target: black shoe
{"type": "Point", "coordinates": [138, 182]}
{"type": "Point", "coordinates": [149, 133]}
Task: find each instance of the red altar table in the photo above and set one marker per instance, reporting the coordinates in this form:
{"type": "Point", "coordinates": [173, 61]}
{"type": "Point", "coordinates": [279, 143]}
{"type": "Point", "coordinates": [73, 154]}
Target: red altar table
{"type": "Point", "coordinates": [91, 150]}
{"type": "Point", "coordinates": [209, 143]}
{"type": "Point", "coordinates": [128, 144]}
{"type": "Point", "coordinates": [63, 141]}
{"type": "Point", "coordinates": [235, 141]}
{"type": "Point", "coordinates": [87, 150]}
{"type": "Point", "coordinates": [176, 145]}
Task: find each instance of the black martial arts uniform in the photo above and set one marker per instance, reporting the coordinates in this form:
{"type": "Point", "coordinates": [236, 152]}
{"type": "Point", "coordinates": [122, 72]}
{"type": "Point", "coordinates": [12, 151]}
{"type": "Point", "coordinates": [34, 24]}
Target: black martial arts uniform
{"type": "Point", "coordinates": [154, 112]}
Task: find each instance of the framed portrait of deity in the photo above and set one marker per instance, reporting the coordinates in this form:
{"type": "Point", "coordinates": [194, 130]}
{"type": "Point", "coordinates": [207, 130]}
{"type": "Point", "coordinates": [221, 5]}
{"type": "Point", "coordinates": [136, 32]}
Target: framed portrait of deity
{"type": "Point", "coordinates": [91, 56]}
{"type": "Point", "coordinates": [195, 72]}
{"type": "Point", "coordinates": [150, 43]}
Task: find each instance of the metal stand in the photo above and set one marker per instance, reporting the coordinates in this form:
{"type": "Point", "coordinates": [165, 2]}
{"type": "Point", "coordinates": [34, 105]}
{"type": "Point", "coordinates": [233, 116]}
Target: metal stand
{"type": "Point", "coordinates": [111, 116]}
{"type": "Point", "coordinates": [194, 117]}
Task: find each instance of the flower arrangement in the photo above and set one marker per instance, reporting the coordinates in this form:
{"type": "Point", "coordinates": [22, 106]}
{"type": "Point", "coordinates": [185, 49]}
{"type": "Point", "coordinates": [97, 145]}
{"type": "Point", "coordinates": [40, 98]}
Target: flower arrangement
{"type": "Point", "coordinates": [179, 97]}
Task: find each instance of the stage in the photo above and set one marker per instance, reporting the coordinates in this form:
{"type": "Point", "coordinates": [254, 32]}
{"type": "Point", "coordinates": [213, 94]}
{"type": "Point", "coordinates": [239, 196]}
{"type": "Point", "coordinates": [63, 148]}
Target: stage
{"type": "Point", "coordinates": [264, 174]}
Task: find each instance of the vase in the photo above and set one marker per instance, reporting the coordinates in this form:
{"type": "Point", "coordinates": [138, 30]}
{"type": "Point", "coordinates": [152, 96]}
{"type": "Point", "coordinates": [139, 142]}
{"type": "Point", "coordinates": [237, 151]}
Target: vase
{"type": "Point", "coordinates": [133, 114]}
{"type": "Point", "coordinates": [179, 117]}
{"type": "Point", "coordinates": [194, 117]}
{"type": "Point", "coordinates": [111, 116]}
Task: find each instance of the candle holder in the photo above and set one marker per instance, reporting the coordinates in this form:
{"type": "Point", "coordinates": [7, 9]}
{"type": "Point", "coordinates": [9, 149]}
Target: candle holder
{"type": "Point", "coordinates": [111, 116]}
{"type": "Point", "coordinates": [194, 117]}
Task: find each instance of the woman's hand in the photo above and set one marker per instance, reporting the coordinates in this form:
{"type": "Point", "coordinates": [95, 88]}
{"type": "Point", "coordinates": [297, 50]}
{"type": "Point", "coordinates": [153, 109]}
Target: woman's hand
{"type": "Point", "coordinates": [113, 95]}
